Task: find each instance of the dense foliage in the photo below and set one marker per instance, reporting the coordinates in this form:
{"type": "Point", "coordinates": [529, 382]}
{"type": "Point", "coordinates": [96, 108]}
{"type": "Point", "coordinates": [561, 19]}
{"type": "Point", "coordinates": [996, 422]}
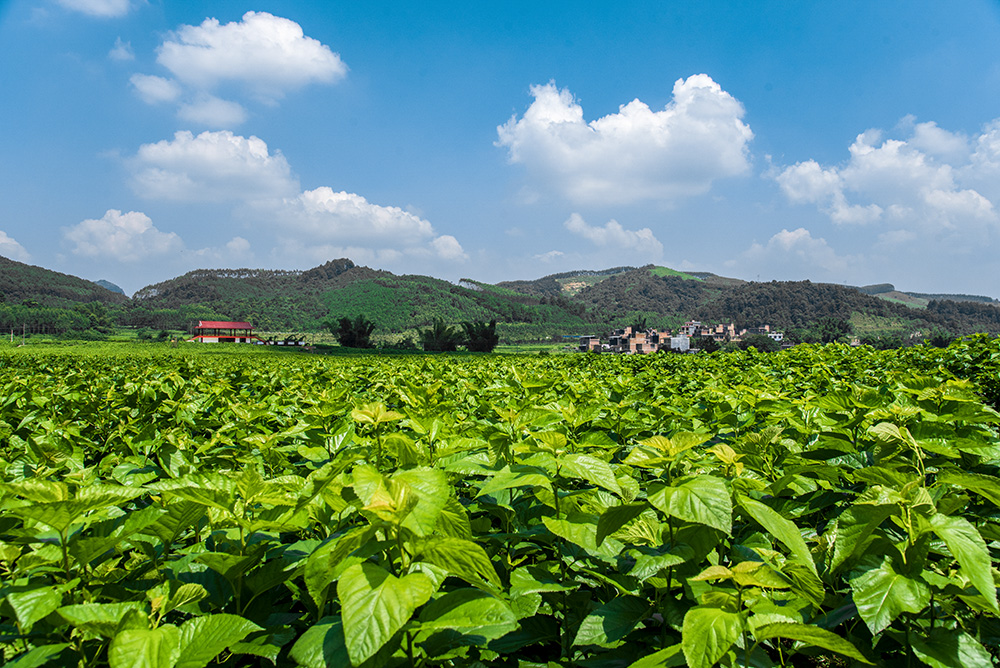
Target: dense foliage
{"type": "Point", "coordinates": [356, 333]}
{"type": "Point", "coordinates": [736, 509]}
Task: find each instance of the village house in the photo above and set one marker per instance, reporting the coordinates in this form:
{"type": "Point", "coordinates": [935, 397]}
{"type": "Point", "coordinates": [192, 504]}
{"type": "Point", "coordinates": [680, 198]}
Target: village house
{"type": "Point", "coordinates": [224, 331]}
{"type": "Point", "coordinates": [631, 341]}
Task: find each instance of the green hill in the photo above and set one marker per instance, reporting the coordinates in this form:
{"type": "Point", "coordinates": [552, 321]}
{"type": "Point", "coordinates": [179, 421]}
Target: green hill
{"type": "Point", "coordinates": [592, 302]}
{"type": "Point", "coordinates": [20, 282]}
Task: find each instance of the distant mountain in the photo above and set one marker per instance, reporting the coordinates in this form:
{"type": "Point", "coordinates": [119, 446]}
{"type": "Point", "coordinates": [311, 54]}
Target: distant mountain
{"type": "Point", "coordinates": [20, 282]}
{"type": "Point", "coordinates": [888, 291]}
{"type": "Point", "coordinates": [110, 286]}
{"type": "Point", "coordinates": [579, 302]}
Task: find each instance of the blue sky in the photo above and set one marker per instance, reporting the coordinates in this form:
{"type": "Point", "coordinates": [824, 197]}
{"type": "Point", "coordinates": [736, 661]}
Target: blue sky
{"type": "Point", "coordinates": [848, 142]}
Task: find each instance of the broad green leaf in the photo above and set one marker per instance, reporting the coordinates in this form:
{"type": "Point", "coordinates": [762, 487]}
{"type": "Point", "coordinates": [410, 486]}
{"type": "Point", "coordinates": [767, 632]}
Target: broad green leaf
{"type": "Point", "coordinates": [471, 612]}
{"type": "Point", "coordinates": [811, 635]}
{"type": "Point", "coordinates": [950, 648]}
{"type": "Point", "coordinates": [615, 517]}
{"type": "Point", "coordinates": [612, 621]}
{"type": "Point", "coordinates": [519, 476]}
{"type": "Point", "coordinates": [145, 648]}
{"type": "Point", "coordinates": [460, 557]}
{"type": "Point", "coordinates": [204, 638]}
{"type": "Point", "coordinates": [322, 563]}
{"type": "Point", "coordinates": [781, 528]}
{"type": "Point", "coordinates": [708, 633]}
{"type": "Point", "coordinates": [35, 604]}
{"type": "Point", "coordinates": [582, 530]}
{"type": "Point", "coordinates": [534, 579]}
{"type": "Point", "coordinates": [986, 486]}
{"type": "Point", "coordinates": [853, 527]}
{"type": "Point", "coordinates": [591, 469]}
{"type": "Point", "coordinates": [669, 657]}
{"type": "Point", "coordinates": [969, 549]}
{"type": "Point", "coordinates": [432, 491]}
{"type": "Point", "coordinates": [703, 499]}
{"type": "Point", "coordinates": [99, 618]}
{"type": "Point", "coordinates": [322, 645]}
{"type": "Point", "coordinates": [230, 566]}
{"type": "Point", "coordinates": [37, 656]}
{"type": "Point", "coordinates": [376, 604]}
{"type": "Point", "coordinates": [881, 593]}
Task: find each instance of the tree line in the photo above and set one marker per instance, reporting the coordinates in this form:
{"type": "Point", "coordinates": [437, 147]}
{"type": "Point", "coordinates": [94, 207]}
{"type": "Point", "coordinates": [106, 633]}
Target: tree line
{"type": "Point", "coordinates": [474, 336]}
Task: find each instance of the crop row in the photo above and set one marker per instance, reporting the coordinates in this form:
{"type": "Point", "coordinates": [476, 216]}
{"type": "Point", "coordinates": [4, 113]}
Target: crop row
{"type": "Point", "coordinates": [820, 504]}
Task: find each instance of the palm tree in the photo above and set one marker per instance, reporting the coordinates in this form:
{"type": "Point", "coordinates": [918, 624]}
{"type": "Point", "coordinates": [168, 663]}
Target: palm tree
{"type": "Point", "coordinates": [440, 337]}
{"type": "Point", "coordinates": [481, 337]}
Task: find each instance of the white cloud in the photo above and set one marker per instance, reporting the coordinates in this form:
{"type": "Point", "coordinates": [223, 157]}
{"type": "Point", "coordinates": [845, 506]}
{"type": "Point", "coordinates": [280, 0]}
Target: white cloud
{"type": "Point", "coordinates": [635, 154]}
{"type": "Point", "coordinates": [213, 112]}
{"type": "Point", "coordinates": [211, 167]}
{"type": "Point", "coordinates": [793, 251]}
{"type": "Point", "coordinates": [154, 90]}
{"type": "Point", "coordinates": [126, 237]}
{"type": "Point", "coordinates": [101, 8]}
{"type": "Point", "coordinates": [613, 235]}
{"type": "Point", "coordinates": [122, 51]}
{"type": "Point", "coordinates": [341, 220]}
{"type": "Point", "coordinates": [10, 249]}
{"type": "Point", "coordinates": [549, 256]}
{"type": "Point", "coordinates": [268, 54]}
{"type": "Point", "coordinates": [932, 182]}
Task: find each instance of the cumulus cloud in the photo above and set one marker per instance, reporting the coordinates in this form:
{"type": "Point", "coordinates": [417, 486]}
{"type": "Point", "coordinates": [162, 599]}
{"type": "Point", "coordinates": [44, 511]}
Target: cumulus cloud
{"type": "Point", "coordinates": [12, 250]}
{"type": "Point", "coordinates": [268, 54]}
{"type": "Point", "coordinates": [797, 247]}
{"type": "Point", "coordinates": [126, 237]}
{"type": "Point", "coordinates": [932, 181]}
{"type": "Point", "coordinates": [211, 167]}
{"type": "Point", "coordinates": [100, 8]}
{"type": "Point", "coordinates": [635, 154]}
{"type": "Point", "coordinates": [342, 220]}
{"type": "Point", "coordinates": [613, 235]}
{"type": "Point", "coordinates": [153, 89]}
{"type": "Point", "coordinates": [122, 51]}
{"type": "Point", "coordinates": [213, 112]}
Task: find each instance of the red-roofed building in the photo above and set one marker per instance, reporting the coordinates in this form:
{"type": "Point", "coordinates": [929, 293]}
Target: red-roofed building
{"type": "Point", "coordinates": [224, 331]}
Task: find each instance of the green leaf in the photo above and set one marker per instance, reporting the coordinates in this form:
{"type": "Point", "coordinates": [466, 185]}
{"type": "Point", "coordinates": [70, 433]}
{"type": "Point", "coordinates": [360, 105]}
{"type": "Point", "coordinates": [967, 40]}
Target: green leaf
{"type": "Point", "coordinates": [471, 612]}
{"type": "Point", "coordinates": [612, 621]}
{"type": "Point", "coordinates": [204, 638]}
{"type": "Point", "coordinates": [881, 593]}
{"type": "Point", "coordinates": [950, 648]}
{"type": "Point", "coordinates": [322, 645]}
{"type": "Point", "coordinates": [145, 648]}
{"type": "Point", "coordinates": [37, 656]}
{"type": "Point", "coordinates": [99, 618]}
{"type": "Point", "coordinates": [519, 476]}
{"type": "Point", "coordinates": [853, 528]}
{"type": "Point", "coordinates": [591, 469]}
{"type": "Point", "coordinates": [669, 657]}
{"type": "Point", "coordinates": [376, 604]}
{"type": "Point", "coordinates": [322, 563]}
{"type": "Point", "coordinates": [986, 486]}
{"type": "Point", "coordinates": [460, 557]}
{"type": "Point", "coordinates": [782, 529]}
{"type": "Point", "coordinates": [615, 517]}
{"type": "Point", "coordinates": [432, 490]}
{"type": "Point", "coordinates": [703, 499]}
{"type": "Point", "coordinates": [708, 633]}
{"type": "Point", "coordinates": [35, 604]}
{"type": "Point", "coordinates": [581, 530]}
{"type": "Point", "coordinates": [969, 549]}
{"type": "Point", "coordinates": [811, 635]}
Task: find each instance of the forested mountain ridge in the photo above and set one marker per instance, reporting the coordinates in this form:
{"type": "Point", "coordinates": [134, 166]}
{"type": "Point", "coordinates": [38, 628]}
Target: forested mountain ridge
{"type": "Point", "coordinates": [585, 302]}
{"type": "Point", "coordinates": [20, 282]}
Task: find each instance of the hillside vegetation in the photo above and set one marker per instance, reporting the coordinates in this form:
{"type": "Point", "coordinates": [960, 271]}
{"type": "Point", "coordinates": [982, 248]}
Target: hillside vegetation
{"type": "Point", "coordinates": [569, 303]}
